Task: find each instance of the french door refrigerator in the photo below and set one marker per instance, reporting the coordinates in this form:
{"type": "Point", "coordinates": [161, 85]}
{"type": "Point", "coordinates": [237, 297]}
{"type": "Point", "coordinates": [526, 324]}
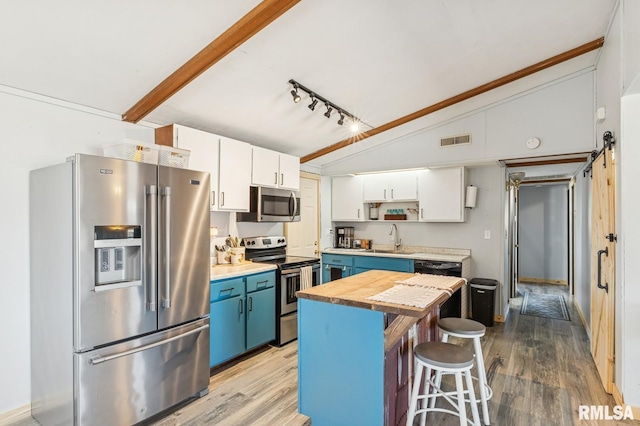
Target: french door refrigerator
{"type": "Point", "coordinates": [119, 290]}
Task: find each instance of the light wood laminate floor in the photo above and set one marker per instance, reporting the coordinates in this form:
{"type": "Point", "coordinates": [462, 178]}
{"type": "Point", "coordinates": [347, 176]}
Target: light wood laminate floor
{"type": "Point", "coordinates": [540, 371]}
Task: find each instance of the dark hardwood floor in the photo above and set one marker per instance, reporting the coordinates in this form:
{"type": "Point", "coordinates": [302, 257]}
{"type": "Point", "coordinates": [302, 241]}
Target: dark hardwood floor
{"type": "Point", "coordinates": [540, 371]}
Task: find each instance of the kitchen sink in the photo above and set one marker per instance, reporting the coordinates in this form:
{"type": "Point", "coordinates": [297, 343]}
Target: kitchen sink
{"type": "Point", "coordinates": [389, 251]}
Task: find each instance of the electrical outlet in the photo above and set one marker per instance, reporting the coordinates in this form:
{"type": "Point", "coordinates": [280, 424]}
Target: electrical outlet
{"type": "Point", "coordinates": [487, 234]}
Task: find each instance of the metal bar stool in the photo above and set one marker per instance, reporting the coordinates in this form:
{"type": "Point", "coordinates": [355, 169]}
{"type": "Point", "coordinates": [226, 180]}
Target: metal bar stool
{"type": "Point", "coordinates": [469, 329]}
{"type": "Point", "coordinates": [443, 358]}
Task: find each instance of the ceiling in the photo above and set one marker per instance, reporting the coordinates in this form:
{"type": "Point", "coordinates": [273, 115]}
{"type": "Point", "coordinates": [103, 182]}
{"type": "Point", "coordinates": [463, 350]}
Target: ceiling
{"type": "Point", "coordinates": [379, 60]}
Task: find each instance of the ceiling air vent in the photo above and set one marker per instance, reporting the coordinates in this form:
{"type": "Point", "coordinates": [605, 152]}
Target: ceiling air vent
{"type": "Point", "coordinates": [456, 140]}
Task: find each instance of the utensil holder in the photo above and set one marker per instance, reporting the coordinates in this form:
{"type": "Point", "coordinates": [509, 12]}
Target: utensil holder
{"type": "Point", "coordinates": [239, 253]}
{"type": "Point", "coordinates": [224, 257]}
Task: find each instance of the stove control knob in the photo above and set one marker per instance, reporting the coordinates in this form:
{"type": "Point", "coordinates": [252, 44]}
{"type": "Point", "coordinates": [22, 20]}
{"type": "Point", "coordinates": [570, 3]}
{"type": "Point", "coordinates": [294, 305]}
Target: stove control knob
{"type": "Point", "coordinates": [253, 243]}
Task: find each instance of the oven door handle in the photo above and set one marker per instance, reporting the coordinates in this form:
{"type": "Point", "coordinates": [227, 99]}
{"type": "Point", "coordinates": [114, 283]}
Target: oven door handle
{"type": "Point", "coordinates": [297, 270]}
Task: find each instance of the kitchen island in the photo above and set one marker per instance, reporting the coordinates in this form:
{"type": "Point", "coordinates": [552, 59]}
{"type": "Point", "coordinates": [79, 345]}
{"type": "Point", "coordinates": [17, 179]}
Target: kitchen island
{"type": "Point", "coordinates": [355, 353]}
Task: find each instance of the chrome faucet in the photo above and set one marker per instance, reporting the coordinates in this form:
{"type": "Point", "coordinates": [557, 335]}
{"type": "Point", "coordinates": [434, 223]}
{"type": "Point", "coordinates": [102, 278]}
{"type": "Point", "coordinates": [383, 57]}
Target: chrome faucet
{"type": "Point", "coordinates": [397, 242]}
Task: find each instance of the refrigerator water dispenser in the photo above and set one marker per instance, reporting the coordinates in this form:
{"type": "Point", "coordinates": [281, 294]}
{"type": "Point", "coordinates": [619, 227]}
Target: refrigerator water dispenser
{"type": "Point", "coordinates": [118, 257]}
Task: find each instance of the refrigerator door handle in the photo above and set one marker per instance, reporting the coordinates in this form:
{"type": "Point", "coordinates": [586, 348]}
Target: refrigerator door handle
{"type": "Point", "coordinates": [166, 300]}
{"type": "Point", "coordinates": [100, 359]}
{"type": "Point", "coordinates": [150, 273]}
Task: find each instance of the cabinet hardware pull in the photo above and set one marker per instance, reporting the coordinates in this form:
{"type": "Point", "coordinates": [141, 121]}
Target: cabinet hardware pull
{"type": "Point", "coordinates": [392, 194]}
{"type": "Point", "coordinates": [227, 289]}
{"type": "Point", "coordinates": [250, 303]}
{"type": "Point", "coordinates": [600, 253]}
{"type": "Point", "coordinates": [385, 194]}
{"type": "Point", "coordinates": [213, 198]}
{"type": "Point", "coordinates": [421, 213]}
{"type": "Point", "coordinates": [275, 178]}
{"type": "Point", "coordinates": [240, 305]}
{"type": "Point", "coordinates": [221, 199]}
{"type": "Point", "coordinates": [358, 213]}
{"type": "Point", "coordinates": [281, 178]}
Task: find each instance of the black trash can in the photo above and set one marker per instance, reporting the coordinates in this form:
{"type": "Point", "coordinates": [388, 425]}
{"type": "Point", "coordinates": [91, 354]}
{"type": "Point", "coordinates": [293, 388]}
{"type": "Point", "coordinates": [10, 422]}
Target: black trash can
{"type": "Point", "coordinates": [483, 293]}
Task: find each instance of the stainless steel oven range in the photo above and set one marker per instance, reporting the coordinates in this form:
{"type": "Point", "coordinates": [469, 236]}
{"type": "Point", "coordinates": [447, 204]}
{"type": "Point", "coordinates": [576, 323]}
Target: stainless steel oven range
{"type": "Point", "coordinates": [273, 249]}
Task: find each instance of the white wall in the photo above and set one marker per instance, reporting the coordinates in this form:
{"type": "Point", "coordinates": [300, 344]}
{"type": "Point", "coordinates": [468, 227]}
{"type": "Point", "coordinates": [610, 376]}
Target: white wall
{"type": "Point", "coordinates": [628, 286]}
{"type": "Point", "coordinates": [35, 134]}
{"type": "Point", "coordinates": [560, 114]}
{"type": "Point", "coordinates": [543, 245]}
{"type": "Point", "coordinates": [582, 254]}
{"type": "Point", "coordinates": [486, 255]}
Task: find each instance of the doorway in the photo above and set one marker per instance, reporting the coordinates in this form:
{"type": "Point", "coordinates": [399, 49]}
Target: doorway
{"type": "Point", "coordinates": [539, 229]}
{"type": "Point", "coordinates": [303, 236]}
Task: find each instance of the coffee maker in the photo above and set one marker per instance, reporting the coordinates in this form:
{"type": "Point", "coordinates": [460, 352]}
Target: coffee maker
{"type": "Point", "coordinates": [343, 237]}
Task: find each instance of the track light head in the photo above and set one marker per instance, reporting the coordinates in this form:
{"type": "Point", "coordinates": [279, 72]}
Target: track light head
{"type": "Point", "coordinates": [329, 109]}
{"type": "Point", "coordinates": [313, 103]}
{"type": "Point", "coordinates": [341, 121]}
{"type": "Point", "coordinates": [294, 93]}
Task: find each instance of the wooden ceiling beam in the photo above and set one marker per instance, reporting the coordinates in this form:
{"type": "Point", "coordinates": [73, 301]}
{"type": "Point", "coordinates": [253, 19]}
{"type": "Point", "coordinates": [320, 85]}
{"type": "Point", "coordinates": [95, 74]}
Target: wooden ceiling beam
{"type": "Point", "coordinates": [509, 78]}
{"type": "Point", "coordinates": [250, 24]}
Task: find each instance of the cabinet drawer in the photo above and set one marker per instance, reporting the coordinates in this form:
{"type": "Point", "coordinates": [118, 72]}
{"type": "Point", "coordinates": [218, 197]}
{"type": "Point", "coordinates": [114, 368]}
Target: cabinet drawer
{"type": "Point", "coordinates": [260, 281]}
{"type": "Point", "coordinates": [385, 263]}
{"type": "Point", "coordinates": [225, 289]}
{"type": "Point", "coordinates": [337, 259]}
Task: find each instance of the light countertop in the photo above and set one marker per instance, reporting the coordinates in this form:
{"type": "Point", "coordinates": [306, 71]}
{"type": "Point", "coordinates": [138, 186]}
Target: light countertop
{"type": "Point", "coordinates": [219, 272]}
{"type": "Point", "coordinates": [417, 253]}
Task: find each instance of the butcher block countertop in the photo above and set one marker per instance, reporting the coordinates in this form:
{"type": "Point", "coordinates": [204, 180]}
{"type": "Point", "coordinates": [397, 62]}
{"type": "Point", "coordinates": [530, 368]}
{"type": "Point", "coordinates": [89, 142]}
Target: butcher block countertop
{"type": "Point", "coordinates": [354, 291]}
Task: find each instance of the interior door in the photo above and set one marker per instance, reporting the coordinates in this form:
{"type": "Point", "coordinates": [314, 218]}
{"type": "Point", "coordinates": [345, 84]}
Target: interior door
{"type": "Point", "coordinates": [183, 249]}
{"type": "Point", "coordinates": [603, 266]}
{"type": "Point", "coordinates": [302, 236]}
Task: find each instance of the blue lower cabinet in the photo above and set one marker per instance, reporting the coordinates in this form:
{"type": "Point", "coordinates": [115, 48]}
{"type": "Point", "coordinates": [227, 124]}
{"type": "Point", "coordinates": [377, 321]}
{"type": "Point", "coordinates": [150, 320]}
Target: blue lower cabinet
{"type": "Point", "coordinates": [367, 263]}
{"type": "Point", "coordinates": [243, 315]}
{"type": "Point", "coordinates": [227, 330]}
{"type": "Point", "coordinates": [261, 317]}
{"type": "Point", "coordinates": [336, 266]}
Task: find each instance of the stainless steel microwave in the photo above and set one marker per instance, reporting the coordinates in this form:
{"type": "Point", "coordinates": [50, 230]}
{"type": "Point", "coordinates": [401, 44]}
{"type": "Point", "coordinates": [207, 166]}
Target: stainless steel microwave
{"type": "Point", "coordinates": [271, 205]}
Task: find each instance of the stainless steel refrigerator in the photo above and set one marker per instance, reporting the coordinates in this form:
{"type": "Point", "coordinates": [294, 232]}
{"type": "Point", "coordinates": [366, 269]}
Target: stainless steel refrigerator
{"type": "Point", "coordinates": [119, 255]}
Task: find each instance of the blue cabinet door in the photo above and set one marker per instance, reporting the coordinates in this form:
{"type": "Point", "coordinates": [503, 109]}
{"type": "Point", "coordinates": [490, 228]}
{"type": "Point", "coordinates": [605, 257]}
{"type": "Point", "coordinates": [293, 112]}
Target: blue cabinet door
{"type": "Point", "coordinates": [227, 329]}
{"type": "Point", "coordinates": [367, 263]}
{"type": "Point", "coordinates": [261, 317]}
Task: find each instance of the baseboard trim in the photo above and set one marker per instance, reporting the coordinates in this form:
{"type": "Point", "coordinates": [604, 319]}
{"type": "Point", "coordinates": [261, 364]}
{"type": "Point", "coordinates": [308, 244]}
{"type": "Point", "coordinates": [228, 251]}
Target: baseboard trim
{"type": "Point", "coordinates": [532, 280]}
{"type": "Point", "coordinates": [617, 396]}
{"type": "Point", "coordinates": [16, 414]}
{"type": "Point", "coordinates": [582, 318]}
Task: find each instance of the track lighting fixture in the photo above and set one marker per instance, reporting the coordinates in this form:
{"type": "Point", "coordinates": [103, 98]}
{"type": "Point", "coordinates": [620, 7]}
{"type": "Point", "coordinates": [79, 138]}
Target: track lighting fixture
{"type": "Point", "coordinates": [329, 109]}
{"type": "Point", "coordinates": [294, 93]}
{"type": "Point", "coordinates": [356, 123]}
{"type": "Point", "coordinates": [313, 103]}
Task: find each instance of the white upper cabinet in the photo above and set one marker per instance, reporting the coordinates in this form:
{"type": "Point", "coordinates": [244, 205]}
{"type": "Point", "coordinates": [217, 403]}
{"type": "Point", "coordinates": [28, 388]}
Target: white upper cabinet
{"type": "Point", "coordinates": [289, 172]}
{"type": "Point", "coordinates": [346, 198]}
{"type": "Point", "coordinates": [228, 162]}
{"type": "Point", "coordinates": [204, 149]}
{"type": "Point", "coordinates": [274, 169]}
{"type": "Point", "coordinates": [235, 175]}
{"type": "Point", "coordinates": [388, 187]}
{"type": "Point", "coordinates": [442, 195]}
